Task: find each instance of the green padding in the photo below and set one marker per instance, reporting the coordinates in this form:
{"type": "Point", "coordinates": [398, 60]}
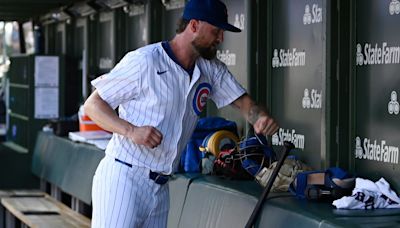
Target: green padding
{"type": "Point", "coordinates": [66, 164]}
{"type": "Point", "coordinates": [56, 160]}
{"type": "Point", "coordinates": [178, 188]}
{"type": "Point", "coordinates": [288, 211]}
{"type": "Point", "coordinates": [215, 202]}
{"type": "Point", "coordinates": [79, 176]}
{"type": "Point", "coordinates": [373, 221]}
{"type": "Point", "coordinates": [248, 187]}
{"type": "Point", "coordinates": [285, 210]}
{"type": "Point", "coordinates": [38, 157]}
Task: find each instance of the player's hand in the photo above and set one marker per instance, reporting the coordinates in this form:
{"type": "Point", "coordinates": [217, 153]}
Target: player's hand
{"type": "Point", "coordinates": [265, 125]}
{"type": "Point", "coordinates": [146, 135]}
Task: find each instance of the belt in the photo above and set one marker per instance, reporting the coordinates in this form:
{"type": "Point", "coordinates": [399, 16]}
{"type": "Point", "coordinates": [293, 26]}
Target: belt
{"type": "Point", "coordinates": [159, 178]}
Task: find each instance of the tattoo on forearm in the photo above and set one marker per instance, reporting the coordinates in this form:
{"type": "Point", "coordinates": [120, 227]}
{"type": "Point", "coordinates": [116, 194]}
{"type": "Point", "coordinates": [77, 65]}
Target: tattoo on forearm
{"type": "Point", "coordinates": [255, 112]}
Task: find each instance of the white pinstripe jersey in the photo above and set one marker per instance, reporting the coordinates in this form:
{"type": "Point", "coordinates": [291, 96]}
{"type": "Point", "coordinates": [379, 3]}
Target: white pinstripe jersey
{"type": "Point", "coordinates": [151, 89]}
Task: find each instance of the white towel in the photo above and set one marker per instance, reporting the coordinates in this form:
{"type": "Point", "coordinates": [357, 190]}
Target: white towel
{"type": "Point", "coordinates": [369, 195]}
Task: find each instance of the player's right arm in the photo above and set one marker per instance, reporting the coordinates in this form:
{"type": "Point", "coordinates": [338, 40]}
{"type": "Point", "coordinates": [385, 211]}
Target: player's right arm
{"type": "Point", "coordinates": [104, 116]}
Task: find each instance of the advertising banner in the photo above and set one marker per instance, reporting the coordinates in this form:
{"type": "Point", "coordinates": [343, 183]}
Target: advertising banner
{"type": "Point", "coordinates": [377, 66]}
{"type": "Point", "coordinates": [299, 76]}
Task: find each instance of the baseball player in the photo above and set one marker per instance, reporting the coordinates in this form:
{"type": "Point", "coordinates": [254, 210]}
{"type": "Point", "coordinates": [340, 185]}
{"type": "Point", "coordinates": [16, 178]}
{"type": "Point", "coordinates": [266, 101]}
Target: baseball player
{"type": "Point", "coordinates": [160, 90]}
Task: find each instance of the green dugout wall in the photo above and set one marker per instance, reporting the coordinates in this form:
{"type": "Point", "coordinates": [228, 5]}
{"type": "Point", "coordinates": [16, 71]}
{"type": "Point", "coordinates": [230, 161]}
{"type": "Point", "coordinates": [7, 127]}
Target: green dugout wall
{"type": "Point", "coordinates": [137, 20]}
{"type": "Point", "coordinates": [170, 13]}
{"type": "Point", "coordinates": [64, 35]}
{"type": "Point", "coordinates": [238, 53]}
{"type": "Point", "coordinates": [300, 77]}
{"type": "Point", "coordinates": [106, 42]}
{"type": "Point", "coordinates": [49, 31]}
{"type": "Point", "coordinates": [80, 52]}
{"type": "Point", "coordinates": [376, 86]}
{"type": "Point", "coordinates": [59, 39]}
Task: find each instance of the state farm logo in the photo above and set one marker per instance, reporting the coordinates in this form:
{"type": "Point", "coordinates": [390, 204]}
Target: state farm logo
{"type": "Point", "coordinates": [315, 16]}
{"type": "Point", "coordinates": [393, 106]}
{"type": "Point", "coordinates": [173, 4]}
{"type": "Point", "coordinates": [226, 57]}
{"type": "Point", "coordinates": [106, 63]}
{"type": "Point", "coordinates": [359, 56]}
{"type": "Point", "coordinates": [394, 7]}
{"type": "Point", "coordinates": [376, 151]}
{"type": "Point", "coordinates": [358, 150]}
{"type": "Point", "coordinates": [377, 54]}
{"type": "Point", "coordinates": [282, 135]}
{"type": "Point", "coordinates": [239, 21]}
{"type": "Point", "coordinates": [288, 58]}
{"type": "Point", "coordinates": [312, 102]}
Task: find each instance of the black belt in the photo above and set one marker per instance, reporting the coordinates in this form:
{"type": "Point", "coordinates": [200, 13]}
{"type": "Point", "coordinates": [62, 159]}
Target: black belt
{"type": "Point", "coordinates": [157, 177]}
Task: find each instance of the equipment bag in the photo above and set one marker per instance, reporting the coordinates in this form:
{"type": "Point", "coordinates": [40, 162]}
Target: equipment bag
{"type": "Point", "coordinates": [331, 184]}
{"type": "Point", "coordinates": [191, 156]}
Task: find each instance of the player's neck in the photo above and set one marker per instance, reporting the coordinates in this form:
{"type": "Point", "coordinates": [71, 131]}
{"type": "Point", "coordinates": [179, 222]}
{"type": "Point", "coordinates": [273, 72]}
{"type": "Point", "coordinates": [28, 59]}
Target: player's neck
{"type": "Point", "coordinates": [183, 51]}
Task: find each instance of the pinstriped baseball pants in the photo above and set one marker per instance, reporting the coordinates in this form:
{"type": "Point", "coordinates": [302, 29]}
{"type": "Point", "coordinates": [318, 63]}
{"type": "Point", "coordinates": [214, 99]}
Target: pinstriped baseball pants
{"type": "Point", "coordinates": [125, 197]}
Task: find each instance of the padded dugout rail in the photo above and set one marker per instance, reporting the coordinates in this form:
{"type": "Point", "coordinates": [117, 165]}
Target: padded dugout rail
{"type": "Point", "coordinates": [66, 164]}
{"type": "Point", "coordinates": [178, 188]}
{"type": "Point", "coordinates": [216, 202]}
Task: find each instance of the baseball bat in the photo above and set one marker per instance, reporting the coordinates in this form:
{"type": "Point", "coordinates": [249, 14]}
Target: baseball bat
{"type": "Point", "coordinates": [288, 146]}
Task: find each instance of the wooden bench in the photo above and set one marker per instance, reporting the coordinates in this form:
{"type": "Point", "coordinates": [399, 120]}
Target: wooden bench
{"type": "Point", "coordinates": [15, 193]}
{"type": "Point", "coordinates": [67, 168]}
{"type": "Point", "coordinates": [41, 211]}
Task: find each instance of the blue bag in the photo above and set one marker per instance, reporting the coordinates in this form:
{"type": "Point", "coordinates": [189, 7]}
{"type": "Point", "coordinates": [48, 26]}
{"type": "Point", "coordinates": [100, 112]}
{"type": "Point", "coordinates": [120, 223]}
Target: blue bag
{"type": "Point", "coordinates": [191, 156]}
{"type": "Point", "coordinates": [330, 184]}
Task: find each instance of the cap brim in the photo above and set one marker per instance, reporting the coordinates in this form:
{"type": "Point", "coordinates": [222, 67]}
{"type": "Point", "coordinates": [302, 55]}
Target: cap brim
{"type": "Point", "coordinates": [228, 27]}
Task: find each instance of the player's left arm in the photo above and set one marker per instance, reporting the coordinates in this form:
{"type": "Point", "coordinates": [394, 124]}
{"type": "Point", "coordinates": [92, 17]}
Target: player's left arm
{"type": "Point", "coordinates": [257, 115]}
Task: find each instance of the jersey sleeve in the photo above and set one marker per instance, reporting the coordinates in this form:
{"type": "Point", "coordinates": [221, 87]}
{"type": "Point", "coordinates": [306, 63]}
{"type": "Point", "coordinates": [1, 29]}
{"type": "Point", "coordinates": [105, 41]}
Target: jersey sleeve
{"type": "Point", "coordinates": [225, 88]}
{"type": "Point", "coordinates": [123, 82]}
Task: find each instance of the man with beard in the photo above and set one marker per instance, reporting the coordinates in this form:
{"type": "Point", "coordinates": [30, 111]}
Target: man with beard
{"type": "Point", "coordinates": [160, 91]}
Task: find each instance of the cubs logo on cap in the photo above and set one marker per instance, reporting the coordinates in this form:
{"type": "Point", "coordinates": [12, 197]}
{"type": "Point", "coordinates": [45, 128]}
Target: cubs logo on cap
{"type": "Point", "coordinates": [200, 97]}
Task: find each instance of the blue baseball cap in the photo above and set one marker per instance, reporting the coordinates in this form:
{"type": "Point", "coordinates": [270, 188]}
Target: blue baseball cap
{"type": "Point", "coordinates": [211, 11]}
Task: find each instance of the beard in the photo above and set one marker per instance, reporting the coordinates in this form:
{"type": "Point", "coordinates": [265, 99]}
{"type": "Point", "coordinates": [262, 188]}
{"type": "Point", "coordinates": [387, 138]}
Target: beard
{"type": "Point", "coordinates": [205, 52]}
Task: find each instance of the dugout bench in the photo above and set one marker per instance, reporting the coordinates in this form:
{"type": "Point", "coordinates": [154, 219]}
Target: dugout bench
{"type": "Point", "coordinates": [65, 168]}
{"type": "Point", "coordinates": [196, 201]}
